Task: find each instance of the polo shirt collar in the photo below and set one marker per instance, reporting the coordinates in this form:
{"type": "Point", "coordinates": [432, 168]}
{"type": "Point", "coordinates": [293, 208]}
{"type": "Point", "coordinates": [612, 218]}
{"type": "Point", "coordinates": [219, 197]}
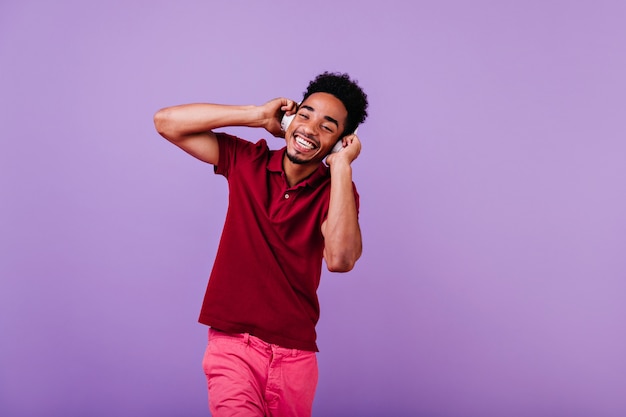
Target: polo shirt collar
{"type": "Point", "coordinates": [275, 164]}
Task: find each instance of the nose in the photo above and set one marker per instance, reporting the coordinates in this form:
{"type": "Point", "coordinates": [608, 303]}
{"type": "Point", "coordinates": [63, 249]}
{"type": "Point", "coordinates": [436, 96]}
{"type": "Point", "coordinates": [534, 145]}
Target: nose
{"type": "Point", "coordinates": [309, 127]}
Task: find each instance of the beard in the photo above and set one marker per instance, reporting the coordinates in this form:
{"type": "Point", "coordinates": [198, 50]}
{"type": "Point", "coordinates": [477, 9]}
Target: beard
{"type": "Point", "coordinates": [299, 161]}
{"type": "Point", "coordinates": [295, 159]}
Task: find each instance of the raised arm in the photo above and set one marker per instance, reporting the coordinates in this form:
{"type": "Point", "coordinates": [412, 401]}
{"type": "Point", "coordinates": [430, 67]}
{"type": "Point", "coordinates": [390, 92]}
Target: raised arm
{"type": "Point", "coordinates": [341, 230]}
{"type": "Point", "coordinates": [190, 126]}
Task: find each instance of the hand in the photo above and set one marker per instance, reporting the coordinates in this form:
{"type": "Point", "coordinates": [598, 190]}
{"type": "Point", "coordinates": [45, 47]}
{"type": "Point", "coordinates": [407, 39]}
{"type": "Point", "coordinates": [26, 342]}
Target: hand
{"type": "Point", "coordinates": [273, 111]}
{"type": "Point", "coordinates": [350, 152]}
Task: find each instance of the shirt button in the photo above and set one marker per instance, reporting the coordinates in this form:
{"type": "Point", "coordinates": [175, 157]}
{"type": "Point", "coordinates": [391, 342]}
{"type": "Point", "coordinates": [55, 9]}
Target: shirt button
{"type": "Point", "coordinates": [286, 195]}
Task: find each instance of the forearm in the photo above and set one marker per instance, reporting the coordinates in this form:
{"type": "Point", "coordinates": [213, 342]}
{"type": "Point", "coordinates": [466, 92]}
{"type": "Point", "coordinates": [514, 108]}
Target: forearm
{"type": "Point", "coordinates": [178, 122]}
{"type": "Point", "coordinates": [342, 233]}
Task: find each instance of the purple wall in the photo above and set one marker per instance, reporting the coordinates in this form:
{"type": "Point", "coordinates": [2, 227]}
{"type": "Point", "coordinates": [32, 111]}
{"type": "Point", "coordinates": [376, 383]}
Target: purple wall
{"type": "Point", "coordinates": [493, 203]}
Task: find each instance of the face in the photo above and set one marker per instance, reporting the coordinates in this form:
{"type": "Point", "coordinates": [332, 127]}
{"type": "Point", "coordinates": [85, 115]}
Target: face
{"type": "Point", "coordinates": [316, 128]}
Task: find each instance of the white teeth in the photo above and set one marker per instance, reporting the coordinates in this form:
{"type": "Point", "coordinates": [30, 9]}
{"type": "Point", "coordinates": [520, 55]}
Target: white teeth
{"type": "Point", "coordinates": [304, 143]}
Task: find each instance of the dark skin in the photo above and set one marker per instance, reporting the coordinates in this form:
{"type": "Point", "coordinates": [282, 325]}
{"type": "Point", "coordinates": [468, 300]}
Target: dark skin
{"type": "Point", "coordinates": [317, 126]}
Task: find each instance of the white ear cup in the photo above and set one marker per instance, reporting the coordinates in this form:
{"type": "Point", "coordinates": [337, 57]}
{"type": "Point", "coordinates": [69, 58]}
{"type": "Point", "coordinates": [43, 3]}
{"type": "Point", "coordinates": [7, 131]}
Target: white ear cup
{"type": "Point", "coordinates": [339, 145]}
{"type": "Point", "coordinates": [286, 121]}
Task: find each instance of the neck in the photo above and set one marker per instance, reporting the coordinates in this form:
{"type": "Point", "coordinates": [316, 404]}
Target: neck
{"type": "Point", "coordinates": [297, 172]}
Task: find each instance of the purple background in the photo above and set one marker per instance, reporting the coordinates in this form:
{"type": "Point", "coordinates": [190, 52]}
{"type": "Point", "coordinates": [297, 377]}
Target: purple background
{"type": "Point", "coordinates": [493, 204]}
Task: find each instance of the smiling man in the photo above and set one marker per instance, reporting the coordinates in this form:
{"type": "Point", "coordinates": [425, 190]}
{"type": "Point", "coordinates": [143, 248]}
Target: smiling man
{"type": "Point", "coordinates": [288, 212]}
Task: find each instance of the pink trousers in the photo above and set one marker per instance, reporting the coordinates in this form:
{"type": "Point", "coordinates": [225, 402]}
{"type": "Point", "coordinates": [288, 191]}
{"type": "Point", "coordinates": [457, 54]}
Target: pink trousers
{"type": "Point", "coordinates": [249, 377]}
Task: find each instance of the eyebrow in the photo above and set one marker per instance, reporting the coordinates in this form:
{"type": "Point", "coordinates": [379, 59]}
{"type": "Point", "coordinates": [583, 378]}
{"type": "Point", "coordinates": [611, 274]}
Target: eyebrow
{"type": "Point", "coordinates": [330, 119]}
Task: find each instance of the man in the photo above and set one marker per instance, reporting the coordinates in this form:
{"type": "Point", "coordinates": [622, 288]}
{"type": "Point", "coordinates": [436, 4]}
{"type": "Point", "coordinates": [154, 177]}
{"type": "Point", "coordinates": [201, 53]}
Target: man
{"type": "Point", "coordinates": [287, 211]}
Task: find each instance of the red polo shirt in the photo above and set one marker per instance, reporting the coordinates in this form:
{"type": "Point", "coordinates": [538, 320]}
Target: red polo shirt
{"type": "Point", "coordinates": [268, 264]}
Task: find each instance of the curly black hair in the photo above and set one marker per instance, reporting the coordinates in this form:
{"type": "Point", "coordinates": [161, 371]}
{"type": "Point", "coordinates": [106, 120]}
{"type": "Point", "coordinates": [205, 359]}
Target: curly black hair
{"type": "Point", "coordinates": [347, 91]}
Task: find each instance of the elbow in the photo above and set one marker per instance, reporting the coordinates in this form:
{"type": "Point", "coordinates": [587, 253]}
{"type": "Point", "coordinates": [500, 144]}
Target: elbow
{"type": "Point", "coordinates": [340, 267]}
{"type": "Point", "coordinates": [163, 123]}
{"type": "Point", "coordinates": [342, 263]}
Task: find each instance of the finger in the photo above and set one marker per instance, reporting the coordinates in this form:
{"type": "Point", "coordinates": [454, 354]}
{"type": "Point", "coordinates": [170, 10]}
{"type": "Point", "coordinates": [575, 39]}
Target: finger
{"type": "Point", "coordinates": [289, 107]}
